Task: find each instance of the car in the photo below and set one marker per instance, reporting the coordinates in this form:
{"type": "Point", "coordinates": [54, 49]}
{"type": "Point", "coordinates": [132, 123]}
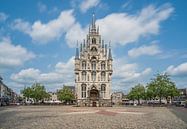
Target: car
{"type": "Point", "coordinates": [5, 101]}
{"type": "Point", "coordinates": [180, 103]}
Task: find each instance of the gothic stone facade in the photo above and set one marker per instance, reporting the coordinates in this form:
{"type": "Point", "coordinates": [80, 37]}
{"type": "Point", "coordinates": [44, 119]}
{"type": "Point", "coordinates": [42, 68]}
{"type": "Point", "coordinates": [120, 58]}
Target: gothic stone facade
{"type": "Point", "coordinates": [93, 70]}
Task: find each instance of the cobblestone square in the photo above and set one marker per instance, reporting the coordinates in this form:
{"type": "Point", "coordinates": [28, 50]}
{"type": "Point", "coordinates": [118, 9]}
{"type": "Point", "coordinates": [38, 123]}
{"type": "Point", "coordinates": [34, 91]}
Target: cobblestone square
{"type": "Point", "coordinates": [67, 117]}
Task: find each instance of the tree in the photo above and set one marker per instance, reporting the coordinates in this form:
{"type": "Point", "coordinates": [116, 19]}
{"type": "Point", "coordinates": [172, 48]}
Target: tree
{"type": "Point", "coordinates": [27, 92]}
{"type": "Point", "coordinates": [131, 95]}
{"type": "Point", "coordinates": [65, 94]}
{"type": "Point", "coordinates": [162, 87]}
{"type": "Point", "coordinates": [137, 93]}
{"type": "Point", "coordinates": [171, 91]}
{"type": "Point", "coordinates": [37, 91]}
{"type": "Point", "coordinates": [151, 91]}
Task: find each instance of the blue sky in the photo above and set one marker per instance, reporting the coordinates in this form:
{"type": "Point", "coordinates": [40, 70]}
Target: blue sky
{"type": "Point", "coordinates": [38, 40]}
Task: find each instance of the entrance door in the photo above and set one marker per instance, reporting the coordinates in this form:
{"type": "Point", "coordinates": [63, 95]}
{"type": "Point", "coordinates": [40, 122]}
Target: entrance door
{"type": "Point", "coordinates": [94, 96]}
{"type": "Point", "coordinates": [94, 104]}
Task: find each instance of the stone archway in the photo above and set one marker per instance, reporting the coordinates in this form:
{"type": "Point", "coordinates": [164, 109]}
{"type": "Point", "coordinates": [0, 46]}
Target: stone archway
{"type": "Point", "coordinates": [94, 96]}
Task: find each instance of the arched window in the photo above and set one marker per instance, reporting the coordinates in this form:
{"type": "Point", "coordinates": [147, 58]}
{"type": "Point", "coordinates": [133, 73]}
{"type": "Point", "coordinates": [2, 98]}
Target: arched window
{"type": "Point", "coordinates": [103, 76]}
{"type": "Point", "coordinates": [103, 65]}
{"type": "Point", "coordinates": [84, 65]}
{"type": "Point", "coordinates": [93, 76]}
{"type": "Point", "coordinates": [93, 65]}
{"type": "Point", "coordinates": [93, 41]}
{"type": "Point", "coordinates": [103, 90]}
{"type": "Point", "coordinates": [83, 91]}
{"type": "Point", "coordinates": [83, 76]}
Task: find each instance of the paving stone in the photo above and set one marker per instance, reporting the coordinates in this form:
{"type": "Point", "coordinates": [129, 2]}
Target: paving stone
{"type": "Point", "coordinates": [66, 117]}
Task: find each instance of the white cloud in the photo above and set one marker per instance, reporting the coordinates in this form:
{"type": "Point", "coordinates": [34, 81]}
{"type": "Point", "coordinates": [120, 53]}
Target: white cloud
{"type": "Point", "coordinates": [76, 32]}
{"type": "Point", "coordinates": [41, 7]}
{"type": "Point", "coordinates": [3, 16]}
{"type": "Point", "coordinates": [179, 70]}
{"type": "Point", "coordinates": [21, 25]}
{"type": "Point", "coordinates": [63, 72]}
{"type": "Point", "coordinates": [65, 67]}
{"type": "Point", "coordinates": [124, 28]}
{"type": "Point", "coordinates": [13, 55]}
{"type": "Point", "coordinates": [150, 50]}
{"type": "Point", "coordinates": [127, 71]}
{"type": "Point", "coordinates": [87, 4]}
{"type": "Point", "coordinates": [44, 33]}
{"type": "Point", "coordinates": [120, 28]}
{"type": "Point", "coordinates": [128, 28]}
{"type": "Point", "coordinates": [26, 76]}
{"type": "Point", "coordinates": [125, 75]}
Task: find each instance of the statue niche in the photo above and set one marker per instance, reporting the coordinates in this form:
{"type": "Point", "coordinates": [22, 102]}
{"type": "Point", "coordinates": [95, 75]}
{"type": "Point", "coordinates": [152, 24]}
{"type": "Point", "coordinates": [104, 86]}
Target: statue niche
{"type": "Point", "coordinates": [93, 41]}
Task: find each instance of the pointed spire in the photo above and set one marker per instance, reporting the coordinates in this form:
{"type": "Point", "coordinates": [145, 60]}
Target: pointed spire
{"type": "Point", "coordinates": [81, 47]}
{"type": "Point", "coordinates": [93, 26]}
{"type": "Point", "coordinates": [106, 50]}
{"type": "Point", "coordinates": [109, 53]}
{"type": "Point", "coordinates": [88, 42]}
{"type": "Point", "coordinates": [93, 20]}
{"type": "Point", "coordinates": [102, 43]}
{"type": "Point", "coordinates": [77, 51]}
{"type": "Point", "coordinates": [84, 45]}
{"type": "Point", "coordinates": [99, 41]}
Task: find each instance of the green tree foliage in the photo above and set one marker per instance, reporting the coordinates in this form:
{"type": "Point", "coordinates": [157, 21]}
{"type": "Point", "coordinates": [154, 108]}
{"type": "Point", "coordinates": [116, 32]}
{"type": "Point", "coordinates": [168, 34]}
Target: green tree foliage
{"type": "Point", "coordinates": [137, 93]}
{"type": "Point", "coordinates": [27, 92]}
{"type": "Point", "coordinates": [65, 94]}
{"type": "Point", "coordinates": [37, 91]}
{"type": "Point", "coordinates": [162, 87]}
{"type": "Point", "coordinates": [151, 91]}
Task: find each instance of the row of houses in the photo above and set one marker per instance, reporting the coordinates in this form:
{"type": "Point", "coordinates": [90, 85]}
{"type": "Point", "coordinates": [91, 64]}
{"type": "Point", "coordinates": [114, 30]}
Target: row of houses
{"type": "Point", "coordinates": [7, 93]}
{"type": "Point", "coordinates": [119, 98]}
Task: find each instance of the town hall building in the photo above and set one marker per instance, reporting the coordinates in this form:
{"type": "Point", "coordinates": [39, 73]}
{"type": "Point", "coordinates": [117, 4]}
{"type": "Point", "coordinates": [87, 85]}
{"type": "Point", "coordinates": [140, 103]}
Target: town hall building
{"type": "Point", "coordinates": [93, 70]}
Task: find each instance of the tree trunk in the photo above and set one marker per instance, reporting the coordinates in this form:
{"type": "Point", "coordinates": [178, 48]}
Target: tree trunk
{"type": "Point", "coordinates": [172, 99]}
{"type": "Point", "coordinates": [154, 101]}
{"type": "Point", "coordinates": [138, 101]}
{"type": "Point", "coordinates": [160, 98]}
{"type": "Point", "coordinates": [167, 100]}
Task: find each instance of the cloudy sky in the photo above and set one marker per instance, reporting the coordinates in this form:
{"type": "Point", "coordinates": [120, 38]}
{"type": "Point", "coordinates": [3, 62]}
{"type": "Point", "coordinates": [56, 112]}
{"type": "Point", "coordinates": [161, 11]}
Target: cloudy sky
{"type": "Point", "coordinates": [38, 40]}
